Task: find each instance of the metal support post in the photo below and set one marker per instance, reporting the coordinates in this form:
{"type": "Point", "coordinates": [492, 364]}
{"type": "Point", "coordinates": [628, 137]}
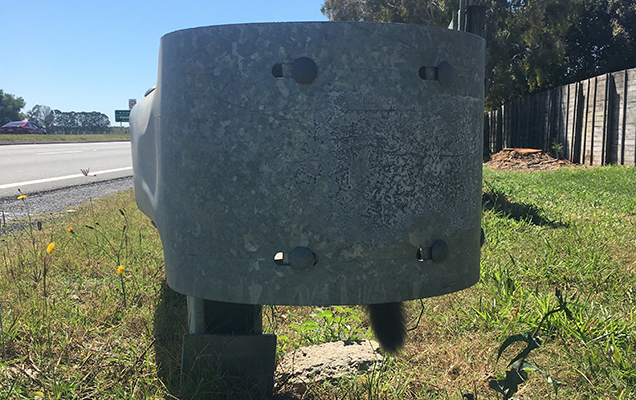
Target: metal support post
{"type": "Point", "coordinates": [225, 342]}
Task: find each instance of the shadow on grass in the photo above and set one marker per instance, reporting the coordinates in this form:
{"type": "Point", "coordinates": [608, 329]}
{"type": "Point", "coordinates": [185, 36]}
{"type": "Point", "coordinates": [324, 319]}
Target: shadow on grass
{"type": "Point", "coordinates": [171, 317]}
{"type": "Point", "coordinates": [501, 204]}
{"type": "Point", "coordinates": [171, 322]}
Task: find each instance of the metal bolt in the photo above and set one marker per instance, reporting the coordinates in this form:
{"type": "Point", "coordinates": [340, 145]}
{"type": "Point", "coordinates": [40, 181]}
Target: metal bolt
{"type": "Point", "coordinates": [302, 259]}
{"type": "Point", "coordinates": [439, 252]}
{"type": "Point", "coordinates": [304, 70]}
{"type": "Point", "coordinates": [445, 74]}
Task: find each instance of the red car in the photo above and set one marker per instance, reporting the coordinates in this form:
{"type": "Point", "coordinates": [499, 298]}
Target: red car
{"type": "Point", "coordinates": [21, 127]}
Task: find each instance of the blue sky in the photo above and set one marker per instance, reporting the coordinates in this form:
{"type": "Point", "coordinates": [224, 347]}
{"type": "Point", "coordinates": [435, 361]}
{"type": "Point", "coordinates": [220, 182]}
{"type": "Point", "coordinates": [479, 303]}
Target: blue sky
{"type": "Point", "coordinates": [95, 55]}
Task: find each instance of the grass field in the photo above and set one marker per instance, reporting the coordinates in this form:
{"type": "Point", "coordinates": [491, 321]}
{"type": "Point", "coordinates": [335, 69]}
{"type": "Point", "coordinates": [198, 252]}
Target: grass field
{"type": "Point", "coordinates": [94, 318]}
{"type": "Point", "coordinates": [61, 138]}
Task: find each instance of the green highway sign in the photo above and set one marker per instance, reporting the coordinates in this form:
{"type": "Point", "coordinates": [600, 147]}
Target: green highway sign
{"type": "Point", "coordinates": [122, 115]}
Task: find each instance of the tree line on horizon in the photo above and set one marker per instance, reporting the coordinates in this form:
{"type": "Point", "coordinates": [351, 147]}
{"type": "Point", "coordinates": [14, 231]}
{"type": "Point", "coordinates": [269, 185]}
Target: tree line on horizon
{"type": "Point", "coordinates": [531, 45]}
{"type": "Point", "coordinates": [53, 121]}
{"type": "Point", "coordinates": [69, 122]}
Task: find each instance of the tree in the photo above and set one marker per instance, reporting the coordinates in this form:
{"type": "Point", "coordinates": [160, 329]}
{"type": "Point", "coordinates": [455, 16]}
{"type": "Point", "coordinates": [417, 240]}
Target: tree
{"type": "Point", "coordinates": [75, 123]}
{"type": "Point", "coordinates": [10, 107]}
{"type": "Point", "coordinates": [421, 12]}
{"type": "Point", "coordinates": [602, 39]}
{"type": "Point", "coordinates": [96, 122]}
{"type": "Point", "coordinates": [526, 49]}
{"type": "Point", "coordinates": [344, 10]}
{"type": "Point", "coordinates": [42, 116]}
{"type": "Point", "coordinates": [532, 45]}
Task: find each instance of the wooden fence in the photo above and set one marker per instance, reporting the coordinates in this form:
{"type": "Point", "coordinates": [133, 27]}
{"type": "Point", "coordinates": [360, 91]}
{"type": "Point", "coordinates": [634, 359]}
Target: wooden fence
{"type": "Point", "coordinates": [594, 121]}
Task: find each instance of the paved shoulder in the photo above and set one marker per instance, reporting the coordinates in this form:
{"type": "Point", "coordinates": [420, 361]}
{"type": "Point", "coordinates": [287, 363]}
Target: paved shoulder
{"type": "Point", "coordinates": [59, 199]}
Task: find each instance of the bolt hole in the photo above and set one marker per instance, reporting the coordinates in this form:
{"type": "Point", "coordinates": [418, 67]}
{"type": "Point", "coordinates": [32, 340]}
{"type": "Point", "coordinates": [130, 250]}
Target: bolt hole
{"type": "Point", "coordinates": [427, 73]}
{"type": "Point", "coordinates": [422, 74]}
{"type": "Point", "coordinates": [281, 258]}
{"type": "Point", "coordinates": [420, 255]}
{"type": "Point", "coordinates": [277, 71]}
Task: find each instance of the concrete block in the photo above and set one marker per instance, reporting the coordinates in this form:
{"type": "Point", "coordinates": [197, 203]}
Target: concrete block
{"type": "Point", "coordinates": [225, 360]}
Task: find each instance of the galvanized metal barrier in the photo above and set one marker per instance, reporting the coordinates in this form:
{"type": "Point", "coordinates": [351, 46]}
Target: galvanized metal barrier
{"type": "Point", "coordinates": [313, 164]}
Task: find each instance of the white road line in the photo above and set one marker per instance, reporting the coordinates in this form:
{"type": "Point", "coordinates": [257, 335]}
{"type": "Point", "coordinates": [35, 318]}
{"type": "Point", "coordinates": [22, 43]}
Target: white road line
{"type": "Point", "coordinates": [59, 152]}
{"type": "Point", "coordinates": [61, 178]}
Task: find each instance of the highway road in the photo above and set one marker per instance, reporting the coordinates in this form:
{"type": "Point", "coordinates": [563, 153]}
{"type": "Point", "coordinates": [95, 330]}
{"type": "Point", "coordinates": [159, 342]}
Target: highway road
{"type": "Point", "coordinates": [40, 167]}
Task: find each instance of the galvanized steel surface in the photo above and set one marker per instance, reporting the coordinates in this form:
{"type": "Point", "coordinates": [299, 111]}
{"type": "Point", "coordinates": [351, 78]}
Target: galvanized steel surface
{"type": "Point", "coordinates": [354, 168]}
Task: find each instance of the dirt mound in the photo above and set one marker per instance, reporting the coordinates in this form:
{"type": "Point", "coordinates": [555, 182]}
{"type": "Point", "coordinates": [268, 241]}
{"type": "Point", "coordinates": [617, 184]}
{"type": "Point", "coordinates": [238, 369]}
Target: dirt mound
{"type": "Point", "coordinates": [525, 159]}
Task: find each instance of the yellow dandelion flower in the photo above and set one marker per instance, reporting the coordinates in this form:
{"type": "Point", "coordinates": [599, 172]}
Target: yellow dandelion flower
{"type": "Point", "coordinates": [120, 270]}
{"type": "Point", "coordinates": [70, 230]}
{"type": "Point", "coordinates": [22, 196]}
{"type": "Point", "coordinates": [50, 247]}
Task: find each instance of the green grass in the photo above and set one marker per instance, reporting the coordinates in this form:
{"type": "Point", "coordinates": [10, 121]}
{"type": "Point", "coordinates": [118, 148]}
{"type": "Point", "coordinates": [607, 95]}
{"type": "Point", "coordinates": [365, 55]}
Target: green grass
{"type": "Point", "coordinates": [571, 229]}
{"type": "Point", "coordinates": [62, 138]}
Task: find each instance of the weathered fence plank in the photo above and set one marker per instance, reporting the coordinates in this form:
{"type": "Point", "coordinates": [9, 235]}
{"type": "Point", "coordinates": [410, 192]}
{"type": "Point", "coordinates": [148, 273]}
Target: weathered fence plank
{"type": "Point", "coordinates": [594, 121]}
{"type": "Point", "coordinates": [630, 117]}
